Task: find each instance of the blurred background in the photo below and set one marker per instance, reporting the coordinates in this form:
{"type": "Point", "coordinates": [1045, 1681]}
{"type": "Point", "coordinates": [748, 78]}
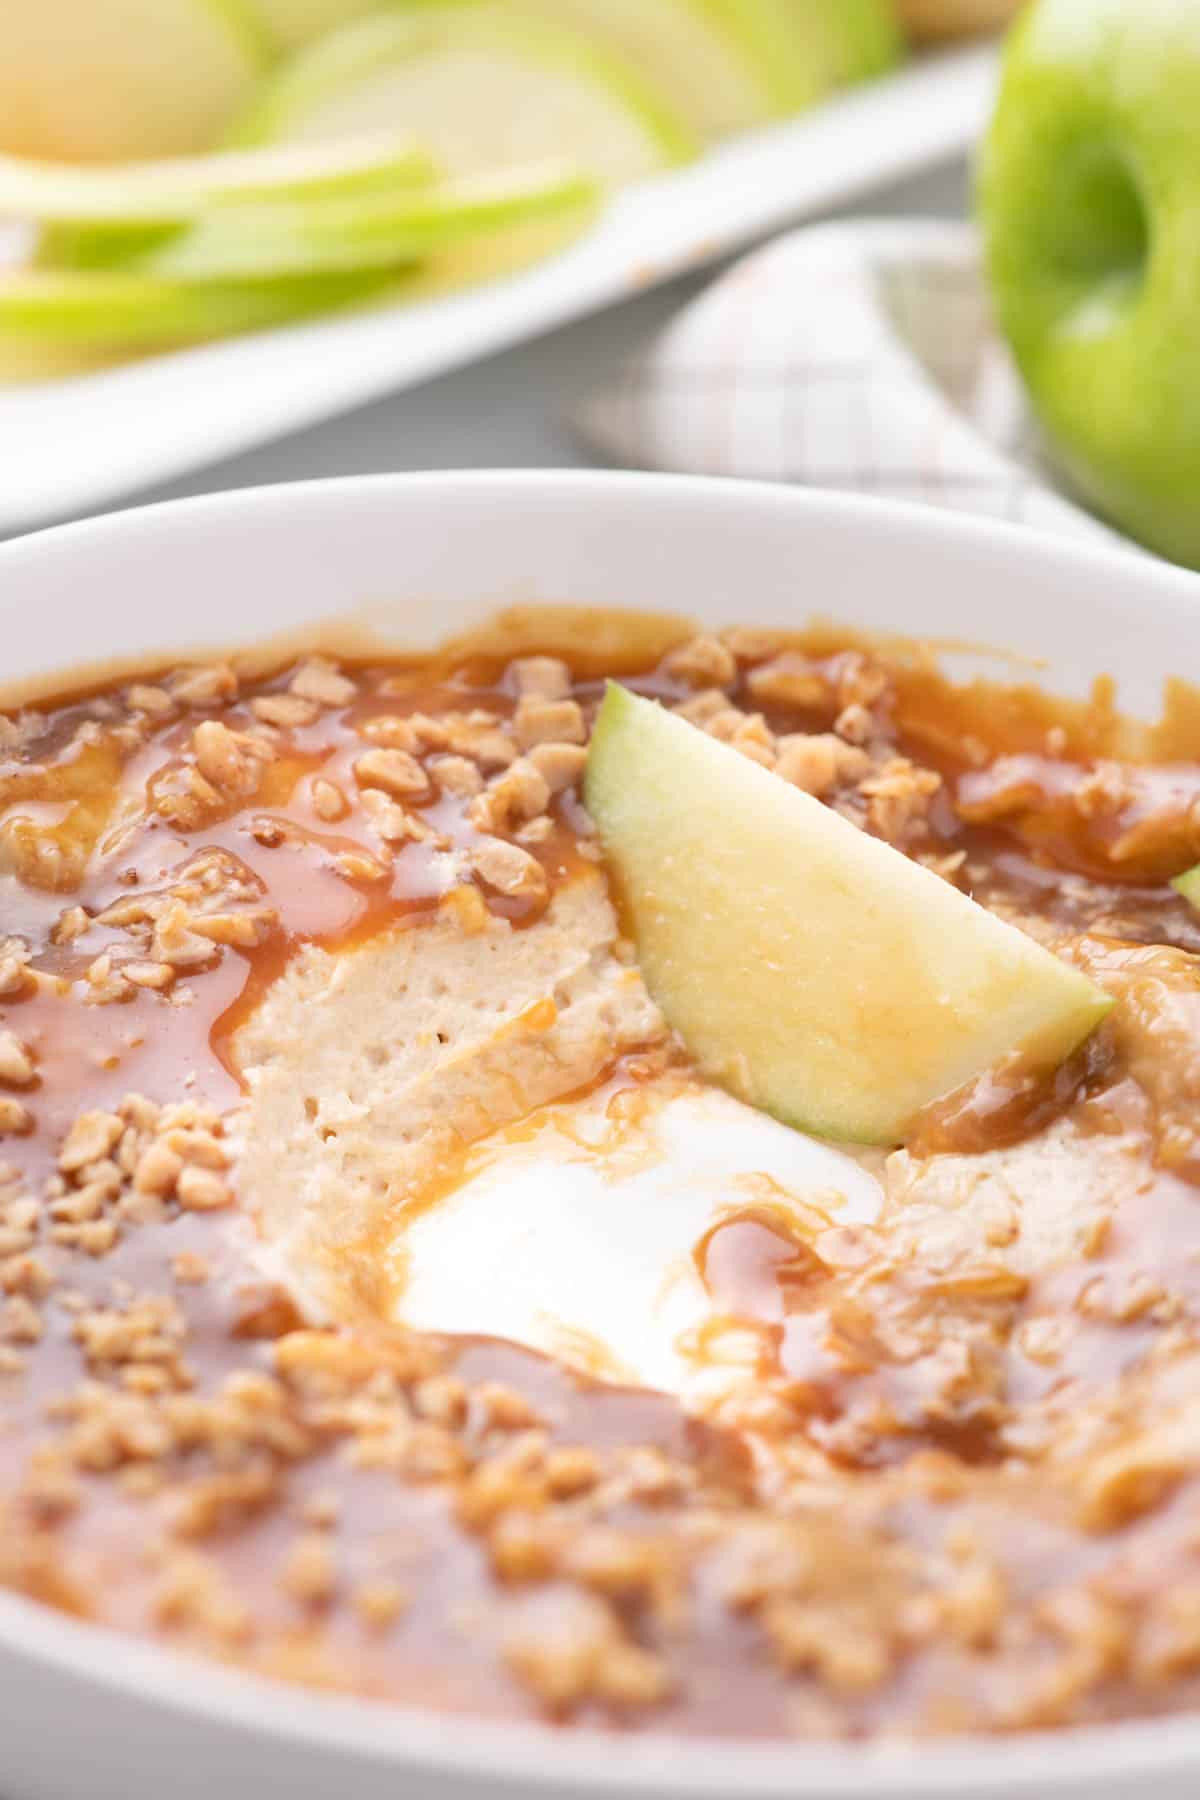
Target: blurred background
{"type": "Point", "coordinates": [250, 241]}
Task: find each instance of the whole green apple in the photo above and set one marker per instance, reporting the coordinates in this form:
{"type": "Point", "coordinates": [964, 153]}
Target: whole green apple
{"type": "Point", "coordinates": [1090, 195]}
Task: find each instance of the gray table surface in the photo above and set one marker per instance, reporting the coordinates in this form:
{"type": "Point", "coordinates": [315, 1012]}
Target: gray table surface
{"type": "Point", "coordinates": [511, 410]}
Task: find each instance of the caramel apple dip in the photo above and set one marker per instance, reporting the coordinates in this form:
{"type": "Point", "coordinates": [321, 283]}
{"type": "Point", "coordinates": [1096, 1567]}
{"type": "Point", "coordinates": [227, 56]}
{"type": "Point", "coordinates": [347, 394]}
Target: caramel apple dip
{"type": "Point", "coordinates": [392, 1303]}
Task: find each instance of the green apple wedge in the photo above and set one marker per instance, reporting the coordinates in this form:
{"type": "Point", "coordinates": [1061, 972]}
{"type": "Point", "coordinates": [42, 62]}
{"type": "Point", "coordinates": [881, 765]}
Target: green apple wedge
{"type": "Point", "coordinates": [812, 969]}
{"type": "Point", "coordinates": [1188, 884]}
{"type": "Point", "coordinates": [1090, 200]}
{"type": "Point", "coordinates": [365, 232]}
{"type": "Point", "coordinates": [114, 310]}
{"type": "Point", "coordinates": [175, 190]}
{"type": "Point", "coordinates": [729, 65]}
{"type": "Point", "coordinates": [709, 69]}
{"type": "Point", "coordinates": [99, 80]}
{"type": "Point", "coordinates": [481, 86]}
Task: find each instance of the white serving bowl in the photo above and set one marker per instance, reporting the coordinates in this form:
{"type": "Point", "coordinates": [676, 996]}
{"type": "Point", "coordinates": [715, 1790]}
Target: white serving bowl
{"type": "Point", "coordinates": [87, 1713]}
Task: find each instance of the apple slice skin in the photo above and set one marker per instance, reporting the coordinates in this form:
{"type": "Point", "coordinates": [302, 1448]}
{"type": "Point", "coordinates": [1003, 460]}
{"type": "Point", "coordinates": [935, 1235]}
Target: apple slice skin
{"type": "Point", "coordinates": [720, 65]}
{"type": "Point", "coordinates": [173, 190]}
{"type": "Point", "coordinates": [1088, 193]}
{"type": "Point", "coordinates": [377, 231]}
{"type": "Point", "coordinates": [319, 92]}
{"type": "Point", "coordinates": [815, 971]}
{"type": "Point", "coordinates": [114, 310]}
{"type": "Point", "coordinates": [104, 80]}
{"type": "Point", "coordinates": [1188, 884]}
{"type": "Point", "coordinates": [702, 55]}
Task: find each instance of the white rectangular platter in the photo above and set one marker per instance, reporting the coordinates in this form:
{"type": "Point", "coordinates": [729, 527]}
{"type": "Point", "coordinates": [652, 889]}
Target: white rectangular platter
{"type": "Point", "coordinates": [77, 442]}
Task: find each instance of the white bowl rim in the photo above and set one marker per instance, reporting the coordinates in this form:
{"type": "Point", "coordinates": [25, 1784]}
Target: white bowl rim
{"type": "Point", "coordinates": [535, 1755]}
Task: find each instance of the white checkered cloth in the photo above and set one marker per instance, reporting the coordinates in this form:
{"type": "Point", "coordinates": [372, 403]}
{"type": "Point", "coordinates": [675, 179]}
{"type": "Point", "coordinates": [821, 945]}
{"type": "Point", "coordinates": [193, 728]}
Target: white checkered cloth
{"type": "Point", "coordinates": [856, 356]}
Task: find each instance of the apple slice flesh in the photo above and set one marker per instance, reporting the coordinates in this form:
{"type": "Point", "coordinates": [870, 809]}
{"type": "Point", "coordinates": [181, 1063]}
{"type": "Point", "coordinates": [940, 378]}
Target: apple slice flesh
{"type": "Point", "coordinates": [373, 231]}
{"type": "Point", "coordinates": [815, 971]}
{"type": "Point", "coordinates": [177, 189]}
{"type": "Point", "coordinates": [727, 65]}
{"type": "Point", "coordinates": [1188, 884]}
{"type": "Point", "coordinates": [104, 309]}
{"type": "Point", "coordinates": [482, 86]}
{"type": "Point", "coordinates": [705, 58]}
{"type": "Point", "coordinates": [96, 80]}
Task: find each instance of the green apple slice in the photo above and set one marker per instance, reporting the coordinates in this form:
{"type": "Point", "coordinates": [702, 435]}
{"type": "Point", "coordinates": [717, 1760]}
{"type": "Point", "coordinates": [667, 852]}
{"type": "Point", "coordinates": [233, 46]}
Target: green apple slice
{"type": "Point", "coordinates": [727, 65]}
{"type": "Point", "coordinates": [372, 231]}
{"type": "Point", "coordinates": [91, 80]}
{"type": "Point", "coordinates": [814, 970]}
{"type": "Point", "coordinates": [1188, 884]}
{"type": "Point", "coordinates": [702, 61]}
{"type": "Point", "coordinates": [177, 189]}
{"type": "Point", "coordinates": [482, 85]}
{"type": "Point", "coordinates": [102, 309]}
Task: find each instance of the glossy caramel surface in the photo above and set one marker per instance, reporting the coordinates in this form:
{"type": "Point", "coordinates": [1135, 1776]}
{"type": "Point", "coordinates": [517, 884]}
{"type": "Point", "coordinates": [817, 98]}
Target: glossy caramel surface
{"type": "Point", "coordinates": [962, 1489]}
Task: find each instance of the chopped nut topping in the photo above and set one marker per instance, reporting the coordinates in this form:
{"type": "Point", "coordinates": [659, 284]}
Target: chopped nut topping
{"type": "Point", "coordinates": [395, 771]}
{"type": "Point", "coordinates": [90, 1138]}
{"type": "Point", "coordinates": [318, 680]}
{"type": "Point", "coordinates": [509, 869]}
{"type": "Point", "coordinates": [559, 765]}
{"type": "Point", "coordinates": [230, 760]}
{"type": "Point", "coordinates": [380, 1603]}
{"type": "Point", "coordinates": [206, 686]}
{"type": "Point", "coordinates": [200, 1190]}
{"type": "Point", "coordinates": [291, 712]}
{"type": "Point", "coordinates": [896, 1429]}
{"type": "Point", "coordinates": [16, 1064]}
{"type": "Point", "coordinates": [456, 775]}
{"type": "Point", "coordinates": [329, 802]}
{"type": "Point", "coordinates": [820, 763]}
{"type": "Point", "coordinates": [309, 1573]}
{"type": "Point", "coordinates": [788, 680]}
{"type": "Point", "coordinates": [542, 678]}
{"type": "Point", "coordinates": [703, 662]}
{"type": "Point", "coordinates": [549, 722]}
{"type": "Point", "coordinates": [152, 700]}
{"type": "Point", "coordinates": [519, 794]}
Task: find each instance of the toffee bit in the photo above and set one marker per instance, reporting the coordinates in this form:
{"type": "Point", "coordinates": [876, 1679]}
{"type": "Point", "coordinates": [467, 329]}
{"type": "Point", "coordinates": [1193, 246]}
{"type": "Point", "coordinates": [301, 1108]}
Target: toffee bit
{"type": "Point", "coordinates": [380, 1603]}
{"type": "Point", "coordinates": [509, 869]}
{"type": "Point", "coordinates": [396, 772]}
{"type": "Point", "coordinates": [896, 1428]}
{"type": "Point", "coordinates": [207, 685]}
{"type": "Point", "coordinates": [156, 975]}
{"type": "Point", "coordinates": [189, 1268]}
{"type": "Point", "coordinates": [90, 1138]}
{"type": "Point", "coordinates": [549, 722]}
{"type": "Point", "coordinates": [541, 677]}
{"type": "Point", "coordinates": [318, 680]}
{"type": "Point", "coordinates": [199, 1190]}
{"type": "Point", "coordinates": [329, 802]}
{"type": "Point", "coordinates": [559, 765]}
{"type": "Point", "coordinates": [309, 1573]}
{"type": "Point", "coordinates": [72, 923]}
{"type": "Point", "coordinates": [292, 712]}
{"type": "Point", "coordinates": [16, 1064]}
